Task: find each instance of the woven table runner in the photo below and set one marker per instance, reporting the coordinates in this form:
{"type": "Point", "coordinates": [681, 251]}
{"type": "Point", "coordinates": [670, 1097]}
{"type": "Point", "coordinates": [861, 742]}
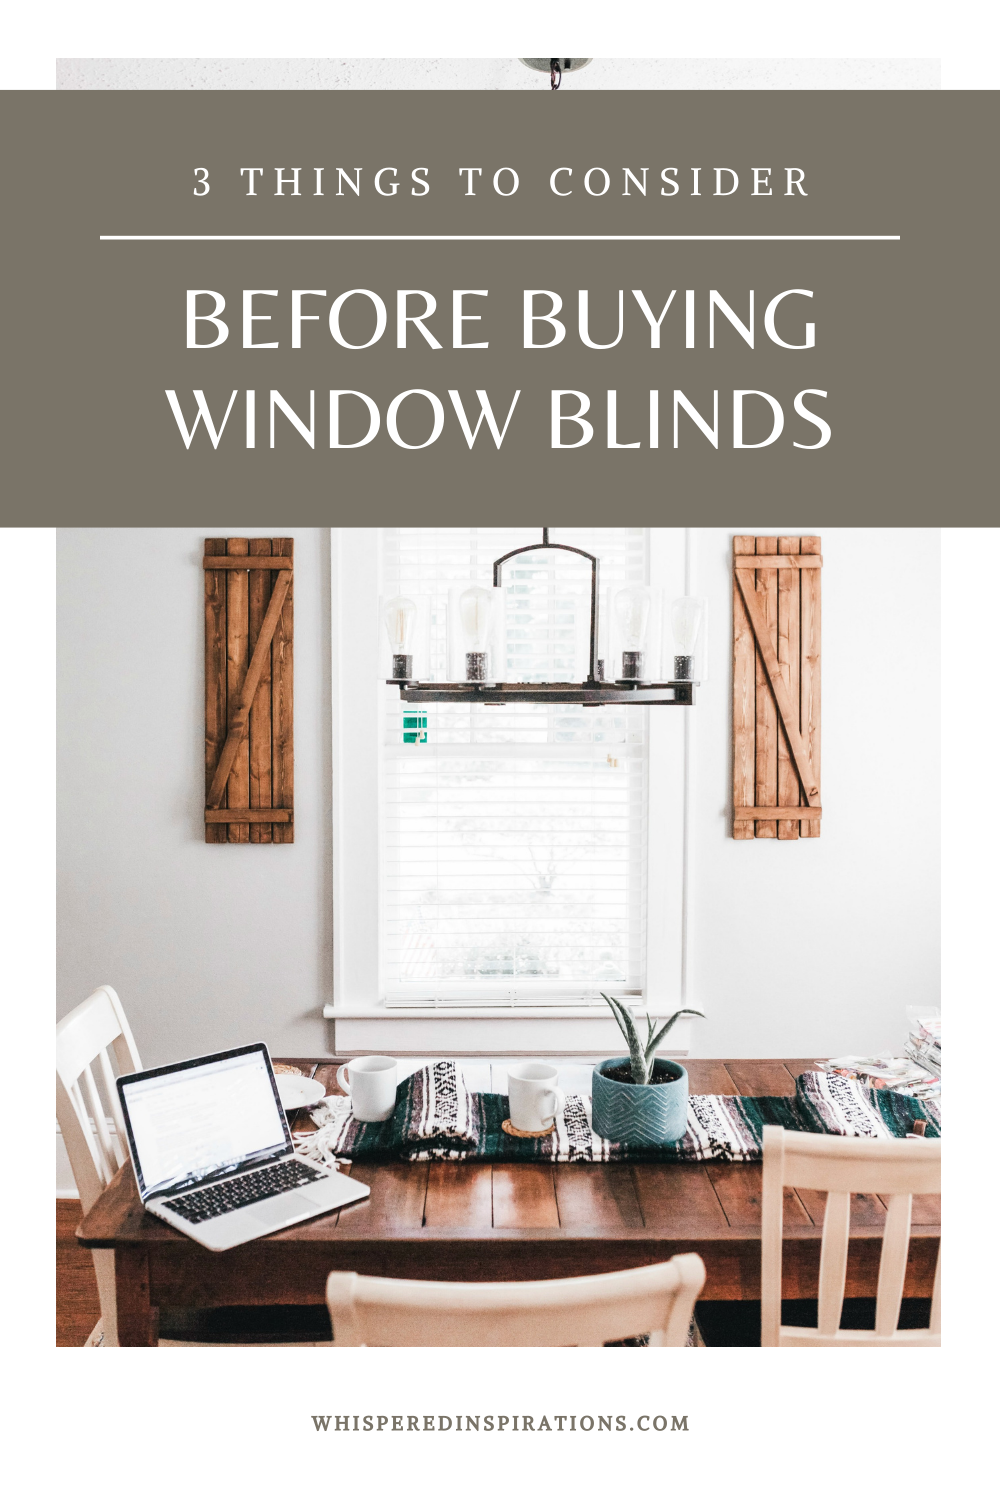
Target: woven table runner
{"type": "Point", "coordinates": [438, 1119]}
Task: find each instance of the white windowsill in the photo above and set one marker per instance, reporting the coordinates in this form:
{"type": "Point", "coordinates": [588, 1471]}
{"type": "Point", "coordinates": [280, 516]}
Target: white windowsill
{"type": "Point", "coordinates": [490, 1013]}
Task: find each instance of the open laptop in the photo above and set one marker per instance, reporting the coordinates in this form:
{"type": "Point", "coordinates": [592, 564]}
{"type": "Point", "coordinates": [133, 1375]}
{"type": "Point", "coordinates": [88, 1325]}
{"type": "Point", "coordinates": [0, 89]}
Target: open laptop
{"type": "Point", "coordinates": [212, 1152]}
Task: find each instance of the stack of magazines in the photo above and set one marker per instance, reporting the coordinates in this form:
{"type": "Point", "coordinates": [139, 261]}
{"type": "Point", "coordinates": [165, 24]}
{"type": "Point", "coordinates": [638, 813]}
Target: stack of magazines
{"type": "Point", "coordinates": [918, 1074]}
{"type": "Point", "coordinates": [923, 1045]}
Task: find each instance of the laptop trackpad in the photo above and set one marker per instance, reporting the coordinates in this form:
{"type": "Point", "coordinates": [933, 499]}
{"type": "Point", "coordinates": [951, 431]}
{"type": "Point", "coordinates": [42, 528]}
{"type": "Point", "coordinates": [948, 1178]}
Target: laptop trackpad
{"type": "Point", "coordinates": [279, 1210]}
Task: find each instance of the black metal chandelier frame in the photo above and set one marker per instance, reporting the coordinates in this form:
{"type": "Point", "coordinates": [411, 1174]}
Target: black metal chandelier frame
{"type": "Point", "coordinates": [591, 693]}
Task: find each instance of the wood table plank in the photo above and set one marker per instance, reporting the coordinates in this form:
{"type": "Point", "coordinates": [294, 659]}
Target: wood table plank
{"type": "Point", "coordinates": [524, 1196]}
{"type": "Point", "coordinates": [326, 1074]}
{"type": "Point", "coordinates": [739, 1186]}
{"type": "Point", "coordinates": [926, 1208]}
{"type": "Point", "coordinates": [597, 1194]}
{"type": "Point", "coordinates": [866, 1208]}
{"type": "Point", "coordinates": [797, 1065]}
{"type": "Point", "coordinates": [398, 1194]}
{"type": "Point", "coordinates": [459, 1193]}
{"type": "Point", "coordinates": [707, 1075]}
{"type": "Point", "coordinates": [759, 1076]}
{"type": "Point", "coordinates": [678, 1195]}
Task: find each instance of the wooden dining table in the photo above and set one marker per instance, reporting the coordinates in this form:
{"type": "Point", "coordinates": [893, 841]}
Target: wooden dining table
{"type": "Point", "coordinates": [481, 1221]}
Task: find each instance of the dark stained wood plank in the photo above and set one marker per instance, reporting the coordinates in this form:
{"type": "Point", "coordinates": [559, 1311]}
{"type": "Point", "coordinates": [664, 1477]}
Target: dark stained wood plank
{"type": "Point", "coordinates": [137, 1319]}
{"type": "Point", "coordinates": [678, 1197]}
{"type": "Point", "coordinates": [866, 1208]}
{"type": "Point", "coordinates": [282, 707]}
{"type": "Point", "coordinates": [398, 1194]}
{"type": "Point", "coordinates": [744, 710]}
{"type": "Point", "coordinates": [524, 1196]}
{"type": "Point", "coordinates": [759, 1076]}
{"type": "Point", "coordinates": [239, 712]}
{"type": "Point", "coordinates": [739, 1187]}
{"type": "Point", "coordinates": [215, 674]}
{"type": "Point", "coordinates": [797, 1065]}
{"type": "Point", "coordinates": [459, 1193]}
{"type": "Point", "coordinates": [809, 673]}
{"type": "Point", "coordinates": [78, 1306]}
{"type": "Point", "coordinates": [260, 713]}
{"type": "Point", "coordinates": [326, 1074]}
{"type": "Point", "coordinates": [766, 753]}
{"type": "Point", "coordinates": [707, 1075]}
{"type": "Point", "coordinates": [237, 660]}
{"type": "Point", "coordinates": [598, 1195]}
{"type": "Point", "coordinates": [249, 815]}
{"type": "Point", "coordinates": [252, 563]}
{"type": "Point", "coordinates": [788, 659]}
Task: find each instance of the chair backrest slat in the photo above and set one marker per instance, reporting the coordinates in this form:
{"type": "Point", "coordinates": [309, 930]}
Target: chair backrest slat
{"type": "Point", "coordinates": [833, 1262]}
{"type": "Point", "coordinates": [892, 1266]}
{"type": "Point", "coordinates": [584, 1311]}
{"type": "Point", "coordinates": [840, 1166]}
{"type": "Point", "coordinates": [111, 1092]}
{"type": "Point", "coordinates": [83, 1038]}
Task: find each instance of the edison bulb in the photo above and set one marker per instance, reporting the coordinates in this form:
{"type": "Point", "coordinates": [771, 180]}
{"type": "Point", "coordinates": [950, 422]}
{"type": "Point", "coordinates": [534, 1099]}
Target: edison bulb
{"type": "Point", "coordinates": [400, 617]}
{"type": "Point", "coordinates": [632, 608]}
{"type": "Point", "coordinates": [685, 621]}
{"type": "Point", "coordinates": [475, 608]}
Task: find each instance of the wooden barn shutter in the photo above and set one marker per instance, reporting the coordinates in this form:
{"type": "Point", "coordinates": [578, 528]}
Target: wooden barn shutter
{"type": "Point", "coordinates": [248, 691]}
{"type": "Point", "coordinates": [776, 687]}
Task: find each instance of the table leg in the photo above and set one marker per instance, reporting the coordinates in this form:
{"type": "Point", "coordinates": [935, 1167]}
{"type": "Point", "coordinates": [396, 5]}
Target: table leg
{"type": "Point", "coordinates": [137, 1320]}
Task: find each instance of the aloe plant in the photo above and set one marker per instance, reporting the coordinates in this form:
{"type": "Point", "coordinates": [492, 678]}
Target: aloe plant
{"type": "Point", "coordinates": [642, 1056]}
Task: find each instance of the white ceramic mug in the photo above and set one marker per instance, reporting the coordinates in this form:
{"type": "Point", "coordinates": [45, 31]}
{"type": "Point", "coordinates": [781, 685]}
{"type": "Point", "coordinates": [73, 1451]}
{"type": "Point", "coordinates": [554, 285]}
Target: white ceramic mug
{"type": "Point", "coordinates": [370, 1084]}
{"type": "Point", "coordinates": [534, 1099]}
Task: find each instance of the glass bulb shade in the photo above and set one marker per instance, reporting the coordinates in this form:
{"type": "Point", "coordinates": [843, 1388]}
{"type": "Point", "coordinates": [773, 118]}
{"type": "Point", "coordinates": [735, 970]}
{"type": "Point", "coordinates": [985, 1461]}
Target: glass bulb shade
{"type": "Point", "coordinates": [400, 616]}
{"type": "Point", "coordinates": [685, 622]}
{"type": "Point", "coordinates": [475, 610]}
{"type": "Point", "coordinates": [632, 606]}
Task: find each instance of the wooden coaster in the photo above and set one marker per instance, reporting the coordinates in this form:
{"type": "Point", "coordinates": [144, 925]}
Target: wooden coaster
{"type": "Point", "coordinates": [527, 1135]}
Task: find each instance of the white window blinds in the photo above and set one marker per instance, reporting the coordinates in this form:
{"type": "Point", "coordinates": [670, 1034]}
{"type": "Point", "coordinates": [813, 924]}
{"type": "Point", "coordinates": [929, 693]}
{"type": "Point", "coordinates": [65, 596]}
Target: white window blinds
{"type": "Point", "coordinates": [512, 839]}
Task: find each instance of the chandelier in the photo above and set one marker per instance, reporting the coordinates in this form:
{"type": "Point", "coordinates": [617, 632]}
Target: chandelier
{"type": "Point", "coordinates": [476, 628]}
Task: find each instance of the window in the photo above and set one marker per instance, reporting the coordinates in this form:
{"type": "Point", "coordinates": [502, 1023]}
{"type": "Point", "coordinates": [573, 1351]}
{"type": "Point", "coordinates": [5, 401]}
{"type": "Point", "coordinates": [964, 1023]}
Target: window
{"type": "Point", "coordinates": [499, 860]}
{"type": "Point", "coordinates": [513, 839]}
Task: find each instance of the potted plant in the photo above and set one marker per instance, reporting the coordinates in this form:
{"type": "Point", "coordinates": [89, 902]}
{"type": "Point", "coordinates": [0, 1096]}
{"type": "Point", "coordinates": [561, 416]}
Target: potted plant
{"type": "Point", "coordinates": [641, 1099]}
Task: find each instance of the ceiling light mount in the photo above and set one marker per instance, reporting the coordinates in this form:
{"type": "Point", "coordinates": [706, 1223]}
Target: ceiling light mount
{"type": "Point", "coordinates": [556, 66]}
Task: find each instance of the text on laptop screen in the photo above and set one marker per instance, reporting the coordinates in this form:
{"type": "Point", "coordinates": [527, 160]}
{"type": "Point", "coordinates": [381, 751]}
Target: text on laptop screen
{"type": "Point", "coordinates": [196, 1121]}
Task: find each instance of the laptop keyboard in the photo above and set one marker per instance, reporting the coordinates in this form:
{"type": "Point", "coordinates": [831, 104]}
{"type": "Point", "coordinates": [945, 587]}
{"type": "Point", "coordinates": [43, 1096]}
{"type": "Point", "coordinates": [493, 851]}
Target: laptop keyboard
{"type": "Point", "coordinates": [237, 1192]}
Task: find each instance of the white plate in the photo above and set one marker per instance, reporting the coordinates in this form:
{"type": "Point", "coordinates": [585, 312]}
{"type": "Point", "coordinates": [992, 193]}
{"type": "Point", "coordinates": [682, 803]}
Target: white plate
{"type": "Point", "coordinates": [296, 1092]}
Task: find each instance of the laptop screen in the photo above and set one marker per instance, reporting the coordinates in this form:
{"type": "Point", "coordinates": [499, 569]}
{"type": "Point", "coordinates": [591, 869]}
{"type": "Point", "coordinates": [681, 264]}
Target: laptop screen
{"type": "Point", "coordinates": [202, 1118]}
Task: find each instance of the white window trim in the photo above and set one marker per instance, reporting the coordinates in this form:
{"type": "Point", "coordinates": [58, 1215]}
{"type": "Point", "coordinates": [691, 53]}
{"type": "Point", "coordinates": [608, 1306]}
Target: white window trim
{"type": "Point", "coordinates": [362, 1022]}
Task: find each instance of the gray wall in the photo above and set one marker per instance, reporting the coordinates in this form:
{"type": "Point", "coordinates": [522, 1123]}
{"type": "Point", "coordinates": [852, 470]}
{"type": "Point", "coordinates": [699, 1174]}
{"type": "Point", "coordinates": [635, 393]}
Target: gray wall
{"type": "Point", "coordinates": [797, 949]}
{"type": "Point", "coordinates": [208, 945]}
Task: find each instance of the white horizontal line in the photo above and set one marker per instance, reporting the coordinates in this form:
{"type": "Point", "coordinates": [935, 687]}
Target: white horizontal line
{"type": "Point", "coordinates": [505, 237]}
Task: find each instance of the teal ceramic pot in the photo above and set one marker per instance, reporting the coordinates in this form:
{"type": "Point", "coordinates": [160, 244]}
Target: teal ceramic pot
{"type": "Point", "coordinates": [641, 1114]}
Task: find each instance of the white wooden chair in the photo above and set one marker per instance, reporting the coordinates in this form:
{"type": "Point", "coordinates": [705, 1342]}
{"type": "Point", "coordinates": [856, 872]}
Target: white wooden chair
{"type": "Point", "coordinates": [840, 1166]}
{"type": "Point", "coordinates": [578, 1310]}
{"type": "Point", "coordinates": [84, 1041]}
